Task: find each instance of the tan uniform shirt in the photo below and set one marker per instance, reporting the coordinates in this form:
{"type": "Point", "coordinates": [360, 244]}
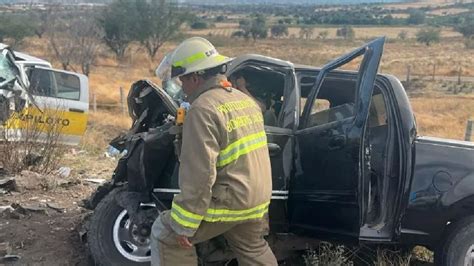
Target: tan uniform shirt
{"type": "Point", "coordinates": [225, 173]}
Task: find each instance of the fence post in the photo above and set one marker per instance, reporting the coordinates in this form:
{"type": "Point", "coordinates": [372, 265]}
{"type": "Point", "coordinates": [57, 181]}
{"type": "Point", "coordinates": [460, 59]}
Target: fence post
{"type": "Point", "coordinates": [94, 102]}
{"type": "Point", "coordinates": [470, 125]}
{"type": "Point", "coordinates": [408, 75]}
{"type": "Point", "coordinates": [434, 71]}
{"type": "Point", "coordinates": [122, 101]}
{"type": "Point", "coordinates": [459, 75]}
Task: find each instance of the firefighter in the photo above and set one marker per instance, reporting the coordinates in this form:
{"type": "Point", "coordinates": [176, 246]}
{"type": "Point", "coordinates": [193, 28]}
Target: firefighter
{"type": "Point", "coordinates": [224, 175]}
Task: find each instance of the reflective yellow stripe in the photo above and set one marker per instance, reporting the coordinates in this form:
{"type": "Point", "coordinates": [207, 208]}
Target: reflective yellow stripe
{"type": "Point", "coordinates": [236, 219]}
{"type": "Point", "coordinates": [190, 220]}
{"type": "Point", "coordinates": [237, 212]}
{"type": "Point", "coordinates": [241, 147]}
{"type": "Point", "coordinates": [184, 223]}
{"type": "Point", "coordinates": [190, 59]}
{"type": "Point", "coordinates": [185, 213]}
{"type": "Point", "coordinates": [199, 56]}
{"type": "Point", "coordinates": [223, 215]}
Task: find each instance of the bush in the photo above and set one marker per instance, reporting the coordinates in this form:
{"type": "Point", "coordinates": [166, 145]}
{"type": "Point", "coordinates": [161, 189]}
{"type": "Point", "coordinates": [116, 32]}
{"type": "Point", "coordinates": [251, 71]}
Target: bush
{"type": "Point", "coordinates": [466, 28]}
{"type": "Point", "coordinates": [323, 34]}
{"type": "Point", "coordinates": [15, 27]}
{"type": "Point", "coordinates": [346, 32]}
{"type": "Point", "coordinates": [28, 144]}
{"type": "Point", "coordinates": [469, 42]}
{"type": "Point", "coordinates": [416, 17]}
{"type": "Point", "coordinates": [221, 18]}
{"type": "Point", "coordinates": [428, 36]}
{"type": "Point", "coordinates": [403, 35]}
{"type": "Point", "coordinates": [279, 30]}
{"type": "Point", "coordinates": [199, 25]}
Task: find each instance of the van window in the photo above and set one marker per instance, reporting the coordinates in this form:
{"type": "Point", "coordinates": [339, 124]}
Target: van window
{"type": "Point", "coordinates": [44, 82]}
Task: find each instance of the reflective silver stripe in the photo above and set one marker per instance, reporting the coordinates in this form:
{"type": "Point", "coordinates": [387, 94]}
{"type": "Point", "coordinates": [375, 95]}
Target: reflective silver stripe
{"type": "Point", "coordinates": [177, 191]}
{"type": "Point", "coordinates": [280, 197]}
{"type": "Point", "coordinates": [167, 190]}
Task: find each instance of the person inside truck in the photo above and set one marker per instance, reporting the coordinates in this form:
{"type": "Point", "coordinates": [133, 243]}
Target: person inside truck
{"type": "Point", "coordinates": [240, 82]}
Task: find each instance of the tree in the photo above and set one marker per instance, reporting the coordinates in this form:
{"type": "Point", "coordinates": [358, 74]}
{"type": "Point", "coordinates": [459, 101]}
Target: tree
{"type": "Point", "coordinates": [466, 28]}
{"type": "Point", "coordinates": [75, 38]}
{"type": "Point", "coordinates": [388, 20]}
{"type": "Point", "coordinates": [306, 33]}
{"type": "Point", "coordinates": [323, 34]}
{"type": "Point", "coordinates": [416, 17]}
{"type": "Point", "coordinates": [15, 27]}
{"type": "Point", "coordinates": [402, 35]}
{"type": "Point", "coordinates": [159, 22]}
{"type": "Point", "coordinates": [428, 36]}
{"type": "Point", "coordinates": [279, 30]}
{"type": "Point", "coordinates": [86, 35]}
{"type": "Point", "coordinates": [199, 25]}
{"type": "Point", "coordinates": [41, 19]}
{"type": "Point", "coordinates": [60, 40]}
{"type": "Point", "coordinates": [255, 28]}
{"type": "Point", "coordinates": [118, 23]}
{"type": "Point", "coordinates": [221, 18]}
{"type": "Point", "coordinates": [346, 32]}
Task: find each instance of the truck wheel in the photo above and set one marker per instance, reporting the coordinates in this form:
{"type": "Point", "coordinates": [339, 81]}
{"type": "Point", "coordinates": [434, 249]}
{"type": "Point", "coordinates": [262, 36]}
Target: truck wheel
{"type": "Point", "coordinates": [458, 248]}
{"type": "Point", "coordinates": [114, 239]}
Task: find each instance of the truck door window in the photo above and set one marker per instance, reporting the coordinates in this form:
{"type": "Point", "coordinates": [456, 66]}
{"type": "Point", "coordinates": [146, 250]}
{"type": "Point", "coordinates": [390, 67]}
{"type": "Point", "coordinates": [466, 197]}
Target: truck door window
{"type": "Point", "coordinates": [41, 82]}
{"type": "Point", "coordinates": [377, 112]}
{"type": "Point", "coordinates": [69, 86]}
{"type": "Point", "coordinates": [44, 82]}
{"type": "Point", "coordinates": [334, 102]}
{"type": "Point", "coordinates": [265, 87]}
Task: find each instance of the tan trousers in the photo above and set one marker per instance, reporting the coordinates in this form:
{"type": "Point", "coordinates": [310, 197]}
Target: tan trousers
{"type": "Point", "coordinates": [245, 239]}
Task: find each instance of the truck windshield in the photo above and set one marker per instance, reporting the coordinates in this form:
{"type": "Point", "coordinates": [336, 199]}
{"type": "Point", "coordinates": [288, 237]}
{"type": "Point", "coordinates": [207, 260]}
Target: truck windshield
{"type": "Point", "coordinates": [8, 69]}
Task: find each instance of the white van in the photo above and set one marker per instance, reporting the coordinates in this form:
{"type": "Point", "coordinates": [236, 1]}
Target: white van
{"type": "Point", "coordinates": [56, 97]}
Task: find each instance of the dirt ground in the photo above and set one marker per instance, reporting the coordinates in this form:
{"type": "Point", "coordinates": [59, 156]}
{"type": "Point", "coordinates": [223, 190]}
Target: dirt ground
{"type": "Point", "coordinates": [47, 228]}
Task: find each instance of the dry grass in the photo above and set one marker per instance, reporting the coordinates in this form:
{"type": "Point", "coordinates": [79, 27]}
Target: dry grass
{"type": "Point", "coordinates": [443, 115]}
{"type": "Point", "coordinates": [102, 127]}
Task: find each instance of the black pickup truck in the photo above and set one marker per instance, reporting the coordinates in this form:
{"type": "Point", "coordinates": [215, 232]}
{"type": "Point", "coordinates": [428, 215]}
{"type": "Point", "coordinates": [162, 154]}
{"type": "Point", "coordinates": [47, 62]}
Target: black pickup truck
{"type": "Point", "coordinates": [347, 166]}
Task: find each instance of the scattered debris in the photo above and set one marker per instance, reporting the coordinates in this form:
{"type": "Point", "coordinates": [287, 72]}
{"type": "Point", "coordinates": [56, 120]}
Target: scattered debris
{"type": "Point", "coordinates": [56, 207]}
{"type": "Point", "coordinates": [95, 180]}
{"type": "Point", "coordinates": [8, 184]}
{"type": "Point", "coordinates": [64, 172]}
{"type": "Point", "coordinates": [5, 208]}
{"type": "Point", "coordinates": [5, 249]}
{"type": "Point", "coordinates": [11, 214]}
{"type": "Point", "coordinates": [10, 258]}
{"type": "Point", "coordinates": [111, 152]}
{"type": "Point", "coordinates": [27, 208]}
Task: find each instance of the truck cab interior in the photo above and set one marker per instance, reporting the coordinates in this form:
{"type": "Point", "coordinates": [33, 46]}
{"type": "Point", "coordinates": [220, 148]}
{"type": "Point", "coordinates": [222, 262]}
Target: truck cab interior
{"type": "Point", "coordinates": [266, 86]}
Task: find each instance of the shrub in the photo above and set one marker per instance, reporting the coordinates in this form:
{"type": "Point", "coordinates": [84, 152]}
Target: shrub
{"type": "Point", "coordinates": [346, 32]}
{"type": "Point", "coordinates": [428, 36]}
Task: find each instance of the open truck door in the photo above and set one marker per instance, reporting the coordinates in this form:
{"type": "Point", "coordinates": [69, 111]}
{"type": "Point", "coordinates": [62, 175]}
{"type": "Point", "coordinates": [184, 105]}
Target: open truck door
{"type": "Point", "coordinates": [59, 110]}
{"type": "Point", "coordinates": [327, 195]}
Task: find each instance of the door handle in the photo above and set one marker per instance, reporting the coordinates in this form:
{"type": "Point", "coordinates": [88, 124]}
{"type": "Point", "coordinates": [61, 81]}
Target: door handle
{"type": "Point", "coordinates": [76, 110]}
{"type": "Point", "coordinates": [337, 142]}
{"type": "Point", "coordinates": [274, 149]}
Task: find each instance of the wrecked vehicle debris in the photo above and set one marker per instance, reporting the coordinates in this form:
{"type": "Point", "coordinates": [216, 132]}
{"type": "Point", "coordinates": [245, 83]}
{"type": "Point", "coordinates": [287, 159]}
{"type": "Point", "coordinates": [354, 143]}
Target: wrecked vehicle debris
{"type": "Point", "coordinates": [32, 93]}
{"type": "Point", "coordinates": [347, 165]}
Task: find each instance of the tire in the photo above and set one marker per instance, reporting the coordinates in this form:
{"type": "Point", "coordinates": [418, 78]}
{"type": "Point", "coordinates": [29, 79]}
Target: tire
{"type": "Point", "coordinates": [458, 246]}
{"type": "Point", "coordinates": [111, 235]}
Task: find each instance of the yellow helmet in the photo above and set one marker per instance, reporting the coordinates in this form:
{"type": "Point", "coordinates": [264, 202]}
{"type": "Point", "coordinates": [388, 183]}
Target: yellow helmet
{"type": "Point", "coordinates": [195, 54]}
